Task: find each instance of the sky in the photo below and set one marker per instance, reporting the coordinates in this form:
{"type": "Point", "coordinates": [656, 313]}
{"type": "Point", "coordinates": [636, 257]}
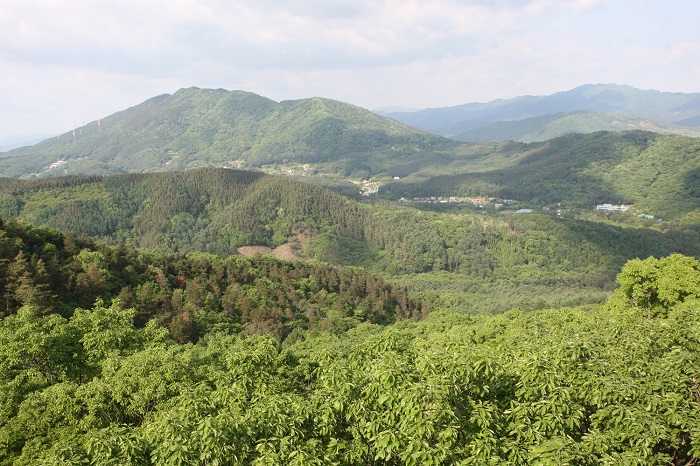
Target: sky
{"type": "Point", "coordinates": [65, 63]}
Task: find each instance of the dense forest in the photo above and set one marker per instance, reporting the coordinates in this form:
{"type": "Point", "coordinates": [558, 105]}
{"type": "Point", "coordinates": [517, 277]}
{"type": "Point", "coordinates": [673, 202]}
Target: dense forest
{"type": "Point", "coordinates": [530, 261]}
{"type": "Point", "coordinates": [658, 174]}
{"type": "Point", "coordinates": [190, 294]}
{"type": "Point", "coordinates": [100, 384]}
{"type": "Point", "coordinates": [134, 347]}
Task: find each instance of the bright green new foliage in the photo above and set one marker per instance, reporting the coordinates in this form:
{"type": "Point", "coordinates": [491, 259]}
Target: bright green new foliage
{"type": "Point", "coordinates": [656, 285]}
{"type": "Point", "coordinates": [612, 385]}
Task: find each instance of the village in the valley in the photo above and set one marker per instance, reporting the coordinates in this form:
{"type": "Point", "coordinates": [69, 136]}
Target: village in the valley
{"type": "Point", "coordinates": [371, 187]}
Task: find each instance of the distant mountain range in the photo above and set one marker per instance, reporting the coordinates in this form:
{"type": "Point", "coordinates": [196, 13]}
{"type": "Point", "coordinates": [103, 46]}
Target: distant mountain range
{"type": "Point", "coordinates": [21, 140]}
{"type": "Point", "coordinates": [542, 128]}
{"type": "Point", "coordinates": [536, 118]}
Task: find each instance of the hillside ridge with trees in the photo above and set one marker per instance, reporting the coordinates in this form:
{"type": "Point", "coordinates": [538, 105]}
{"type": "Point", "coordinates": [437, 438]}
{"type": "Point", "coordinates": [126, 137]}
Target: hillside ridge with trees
{"type": "Point", "coordinates": [494, 262]}
{"type": "Point", "coordinates": [195, 128]}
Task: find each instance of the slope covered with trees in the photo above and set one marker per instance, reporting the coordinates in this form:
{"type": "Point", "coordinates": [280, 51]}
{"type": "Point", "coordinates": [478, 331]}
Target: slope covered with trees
{"type": "Point", "coordinates": [191, 295]}
{"type": "Point", "coordinates": [613, 385]}
{"type": "Point", "coordinates": [204, 127]}
{"type": "Point", "coordinates": [656, 173]}
{"type": "Point", "coordinates": [498, 261]}
{"type": "Point", "coordinates": [212, 210]}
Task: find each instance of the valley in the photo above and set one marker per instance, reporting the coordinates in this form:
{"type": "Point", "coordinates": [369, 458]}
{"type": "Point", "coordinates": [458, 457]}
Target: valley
{"type": "Point", "coordinates": [213, 277]}
{"type": "Point", "coordinates": [409, 197]}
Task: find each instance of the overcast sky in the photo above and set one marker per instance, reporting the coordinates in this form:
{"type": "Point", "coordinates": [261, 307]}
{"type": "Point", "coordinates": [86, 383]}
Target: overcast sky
{"type": "Point", "coordinates": [64, 63]}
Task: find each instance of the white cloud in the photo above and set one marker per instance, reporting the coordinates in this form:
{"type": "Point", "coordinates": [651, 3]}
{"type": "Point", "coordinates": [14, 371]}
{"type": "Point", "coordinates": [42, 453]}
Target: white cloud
{"type": "Point", "coordinates": [544, 6]}
{"type": "Point", "coordinates": [59, 60]}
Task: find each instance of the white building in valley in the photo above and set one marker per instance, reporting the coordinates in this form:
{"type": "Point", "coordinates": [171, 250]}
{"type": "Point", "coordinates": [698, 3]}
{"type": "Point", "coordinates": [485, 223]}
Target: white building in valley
{"type": "Point", "coordinates": [612, 207]}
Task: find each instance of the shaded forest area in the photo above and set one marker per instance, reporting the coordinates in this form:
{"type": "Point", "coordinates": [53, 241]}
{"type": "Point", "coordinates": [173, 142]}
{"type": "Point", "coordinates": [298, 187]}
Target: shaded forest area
{"type": "Point", "coordinates": [656, 173]}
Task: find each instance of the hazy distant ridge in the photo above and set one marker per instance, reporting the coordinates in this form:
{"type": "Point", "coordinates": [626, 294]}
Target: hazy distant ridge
{"type": "Point", "coordinates": [542, 128]}
{"type": "Point", "coordinates": [681, 109]}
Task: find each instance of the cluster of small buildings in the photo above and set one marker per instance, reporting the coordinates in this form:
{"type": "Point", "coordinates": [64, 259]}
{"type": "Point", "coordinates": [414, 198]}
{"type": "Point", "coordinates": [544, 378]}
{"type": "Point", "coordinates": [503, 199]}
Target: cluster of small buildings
{"type": "Point", "coordinates": [432, 200]}
{"type": "Point", "coordinates": [291, 169]}
{"type": "Point", "coordinates": [444, 200]}
{"type": "Point", "coordinates": [367, 187]}
{"type": "Point", "coordinates": [57, 163]}
{"type": "Point", "coordinates": [494, 202]}
{"type": "Point", "coordinates": [612, 207]}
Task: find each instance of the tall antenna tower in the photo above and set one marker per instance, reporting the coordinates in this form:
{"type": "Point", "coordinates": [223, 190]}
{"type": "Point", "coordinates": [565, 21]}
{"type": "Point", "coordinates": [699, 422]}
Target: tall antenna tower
{"type": "Point", "coordinates": [74, 135]}
{"type": "Point", "coordinates": [99, 125]}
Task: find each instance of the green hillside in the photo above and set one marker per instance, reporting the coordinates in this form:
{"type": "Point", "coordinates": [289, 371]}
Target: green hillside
{"type": "Point", "coordinates": [203, 127]}
{"type": "Point", "coordinates": [190, 294]}
{"type": "Point", "coordinates": [346, 144]}
{"type": "Point", "coordinates": [612, 384]}
{"type": "Point", "coordinates": [656, 173]}
{"type": "Point", "coordinates": [545, 127]}
{"type": "Point", "coordinates": [213, 210]}
{"type": "Point", "coordinates": [530, 260]}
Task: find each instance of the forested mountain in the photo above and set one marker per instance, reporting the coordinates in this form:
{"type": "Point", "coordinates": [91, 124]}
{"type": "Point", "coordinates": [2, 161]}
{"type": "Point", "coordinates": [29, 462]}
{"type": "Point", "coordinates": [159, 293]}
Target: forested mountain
{"type": "Point", "coordinates": [658, 174]}
{"type": "Point", "coordinates": [195, 128]}
{"type": "Point", "coordinates": [617, 384]}
{"type": "Point", "coordinates": [212, 210]}
{"type": "Point", "coordinates": [205, 127]}
{"type": "Point", "coordinates": [133, 332]}
{"type": "Point", "coordinates": [672, 108]}
{"type": "Point", "coordinates": [541, 128]}
{"type": "Point", "coordinates": [523, 260]}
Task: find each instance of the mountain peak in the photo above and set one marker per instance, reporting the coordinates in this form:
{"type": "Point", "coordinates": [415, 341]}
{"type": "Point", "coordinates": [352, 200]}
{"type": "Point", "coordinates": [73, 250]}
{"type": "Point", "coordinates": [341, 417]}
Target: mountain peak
{"type": "Point", "coordinates": [197, 127]}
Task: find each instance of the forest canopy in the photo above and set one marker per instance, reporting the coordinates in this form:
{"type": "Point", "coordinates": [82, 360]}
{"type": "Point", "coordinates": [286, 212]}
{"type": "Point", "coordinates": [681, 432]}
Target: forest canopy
{"type": "Point", "coordinates": [532, 261]}
{"type": "Point", "coordinates": [610, 385]}
{"type": "Point", "coordinates": [134, 331]}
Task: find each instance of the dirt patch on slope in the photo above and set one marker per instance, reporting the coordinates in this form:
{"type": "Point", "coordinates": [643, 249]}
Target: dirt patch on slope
{"type": "Point", "coordinates": [250, 251]}
{"type": "Point", "coordinates": [284, 252]}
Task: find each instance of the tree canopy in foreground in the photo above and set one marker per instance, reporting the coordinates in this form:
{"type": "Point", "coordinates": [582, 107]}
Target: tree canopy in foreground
{"type": "Point", "coordinates": [617, 384]}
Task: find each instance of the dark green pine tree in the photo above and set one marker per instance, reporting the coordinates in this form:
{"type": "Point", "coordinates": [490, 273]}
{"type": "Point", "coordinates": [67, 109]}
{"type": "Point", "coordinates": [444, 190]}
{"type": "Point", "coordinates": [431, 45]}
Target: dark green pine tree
{"type": "Point", "coordinates": [34, 290]}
